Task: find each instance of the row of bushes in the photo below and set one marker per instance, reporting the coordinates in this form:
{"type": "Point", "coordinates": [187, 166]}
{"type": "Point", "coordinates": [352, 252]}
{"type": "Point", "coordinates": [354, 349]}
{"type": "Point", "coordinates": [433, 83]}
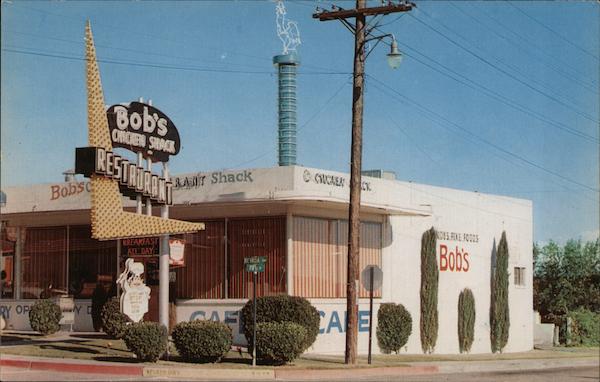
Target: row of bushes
{"type": "Point", "coordinates": [286, 327]}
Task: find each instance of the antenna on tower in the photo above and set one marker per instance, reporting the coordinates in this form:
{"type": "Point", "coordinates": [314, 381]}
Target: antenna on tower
{"type": "Point", "coordinates": [287, 30]}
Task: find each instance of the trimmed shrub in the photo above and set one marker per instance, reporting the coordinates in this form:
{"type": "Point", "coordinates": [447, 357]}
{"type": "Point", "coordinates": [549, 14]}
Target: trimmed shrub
{"type": "Point", "coordinates": [147, 340]}
{"type": "Point", "coordinates": [279, 342]}
{"type": "Point", "coordinates": [466, 320]}
{"type": "Point", "coordinates": [499, 311]}
{"type": "Point", "coordinates": [429, 291]}
{"type": "Point", "coordinates": [204, 341]}
{"type": "Point", "coordinates": [114, 323]}
{"type": "Point", "coordinates": [44, 317]}
{"type": "Point", "coordinates": [283, 308]}
{"type": "Point", "coordinates": [99, 298]}
{"type": "Point", "coordinates": [394, 326]}
{"type": "Point", "coordinates": [585, 328]}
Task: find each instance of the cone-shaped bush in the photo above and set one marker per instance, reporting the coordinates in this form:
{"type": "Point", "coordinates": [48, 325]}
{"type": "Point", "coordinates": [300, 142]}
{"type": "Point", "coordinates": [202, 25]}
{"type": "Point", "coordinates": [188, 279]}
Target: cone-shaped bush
{"type": "Point", "coordinates": [429, 291]}
{"type": "Point", "coordinates": [466, 320]}
{"type": "Point", "coordinates": [499, 313]}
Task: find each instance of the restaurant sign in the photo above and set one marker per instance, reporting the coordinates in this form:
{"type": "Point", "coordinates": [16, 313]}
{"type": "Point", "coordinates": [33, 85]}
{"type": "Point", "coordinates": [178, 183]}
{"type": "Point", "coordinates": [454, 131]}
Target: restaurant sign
{"type": "Point", "coordinates": [140, 246]}
{"type": "Point", "coordinates": [133, 179]}
{"type": "Point", "coordinates": [143, 128]}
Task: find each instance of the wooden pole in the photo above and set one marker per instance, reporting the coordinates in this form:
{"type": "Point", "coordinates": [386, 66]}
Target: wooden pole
{"type": "Point", "coordinates": [371, 269]}
{"type": "Point", "coordinates": [355, 180]}
{"type": "Point", "coordinates": [360, 14]}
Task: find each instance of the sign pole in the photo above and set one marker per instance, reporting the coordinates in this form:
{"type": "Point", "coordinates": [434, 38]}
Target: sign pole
{"type": "Point", "coordinates": [254, 319]}
{"type": "Point", "coordinates": [163, 266]}
{"type": "Point", "coordinates": [370, 311]}
{"type": "Point", "coordinates": [140, 161]}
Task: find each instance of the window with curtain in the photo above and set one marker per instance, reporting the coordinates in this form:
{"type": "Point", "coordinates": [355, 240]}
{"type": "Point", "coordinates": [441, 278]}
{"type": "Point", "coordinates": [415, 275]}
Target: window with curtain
{"type": "Point", "coordinates": [256, 237]}
{"type": "Point", "coordinates": [320, 256]}
{"type": "Point", "coordinates": [44, 262]}
{"type": "Point", "coordinates": [91, 262]}
{"type": "Point", "coordinates": [7, 263]}
{"type": "Point", "coordinates": [203, 273]}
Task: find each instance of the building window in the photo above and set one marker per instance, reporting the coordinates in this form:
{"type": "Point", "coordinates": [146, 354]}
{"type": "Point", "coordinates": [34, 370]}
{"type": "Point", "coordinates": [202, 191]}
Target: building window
{"type": "Point", "coordinates": [91, 263]}
{"type": "Point", "coordinates": [7, 262]}
{"type": "Point", "coordinates": [213, 270]}
{"type": "Point", "coordinates": [320, 256]}
{"type": "Point", "coordinates": [519, 276]}
{"type": "Point", "coordinates": [256, 237]}
{"type": "Point", "coordinates": [203, 273]}
{"type": "Point", "coordinates": [44, 262]}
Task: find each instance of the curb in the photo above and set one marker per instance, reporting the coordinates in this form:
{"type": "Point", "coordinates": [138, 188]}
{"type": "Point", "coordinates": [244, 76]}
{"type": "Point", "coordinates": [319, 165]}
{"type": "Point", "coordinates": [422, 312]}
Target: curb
{"type": "Point", "coordinates": [333, 374]}
{"type": "Point", "coordinates": [284, 374]}
{"type": "Point", "coordinates": [73, 367]}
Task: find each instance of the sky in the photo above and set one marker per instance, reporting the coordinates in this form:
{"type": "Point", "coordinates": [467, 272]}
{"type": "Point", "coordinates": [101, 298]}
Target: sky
{"type": "Point", "coordinates": [492, 96]}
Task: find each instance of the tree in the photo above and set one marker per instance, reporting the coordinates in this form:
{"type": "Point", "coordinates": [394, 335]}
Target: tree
{"type": "Point", "coordinates": [429, 291]}
{"type": "Point", "coordinates": [567, 278]}
{"type": "Point", "coordinates": [499, 310]}
{"type": "Point", "coordinates": [466, 320]}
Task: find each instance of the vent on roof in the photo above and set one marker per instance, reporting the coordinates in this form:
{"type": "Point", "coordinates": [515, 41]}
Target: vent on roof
{"type": "Point", "coordinates": [390, 175]}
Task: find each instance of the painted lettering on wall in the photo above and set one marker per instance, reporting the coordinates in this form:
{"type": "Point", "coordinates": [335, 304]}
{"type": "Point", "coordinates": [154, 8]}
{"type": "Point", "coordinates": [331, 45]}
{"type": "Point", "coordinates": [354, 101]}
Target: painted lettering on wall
{"type": "Point", "coordinates": [457, 236]}
{"type": "Point", "coordinates": [12, 310]}
{"type": "Point", "coordinates": [331, 322]}
{"type": "Point", "coordinates": [453, 260]}
{"type": "Point", "coordinates": [332, 180]}
{"type": "Point", "coordinates": [230, 317]}
{"type": "Point", "coordinates": [218, 177]}
{"type": "Point", "coordinates": [58, 191]}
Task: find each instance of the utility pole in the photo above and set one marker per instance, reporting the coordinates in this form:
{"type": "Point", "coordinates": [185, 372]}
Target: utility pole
{"type": "Point", "coordinates": [361, 32]}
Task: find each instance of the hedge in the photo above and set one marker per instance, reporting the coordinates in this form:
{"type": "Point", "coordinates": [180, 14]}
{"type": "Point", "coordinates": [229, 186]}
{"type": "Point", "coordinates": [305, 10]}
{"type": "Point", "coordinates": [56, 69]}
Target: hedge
{"type": "Point", "coordinates": [279, 342]}
{"type": "Point", "coordinates": [394, 326]}
{"type": "Point", "coordinates": [283, 308]}
{"type": "Point", "coordinates": [585, 327]}
{"type": "Point", "coordinates": [44, 317]}
{"type": "Point", "coordinates": [147, 340]}
{"type": "Point", "coordinates": [114, 323]}
{"type": "Point", "coordinates": [203, 341]}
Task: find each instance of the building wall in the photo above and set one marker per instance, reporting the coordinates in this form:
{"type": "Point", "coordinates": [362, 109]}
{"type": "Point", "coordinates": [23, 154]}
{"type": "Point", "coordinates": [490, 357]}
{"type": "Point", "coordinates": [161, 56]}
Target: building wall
{"type": "Point", "coordinates": [458, 212]}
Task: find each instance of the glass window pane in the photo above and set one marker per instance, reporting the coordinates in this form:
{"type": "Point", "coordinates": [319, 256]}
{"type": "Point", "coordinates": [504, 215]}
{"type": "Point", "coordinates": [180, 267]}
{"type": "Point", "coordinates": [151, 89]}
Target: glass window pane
{"type": "Point", "coordinates": [45, 262]}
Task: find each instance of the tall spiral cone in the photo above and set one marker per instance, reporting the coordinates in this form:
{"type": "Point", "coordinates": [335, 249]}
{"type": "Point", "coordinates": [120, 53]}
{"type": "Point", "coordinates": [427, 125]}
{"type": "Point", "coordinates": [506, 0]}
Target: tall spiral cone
{"type": "Point", "coordinates": [109, 221]}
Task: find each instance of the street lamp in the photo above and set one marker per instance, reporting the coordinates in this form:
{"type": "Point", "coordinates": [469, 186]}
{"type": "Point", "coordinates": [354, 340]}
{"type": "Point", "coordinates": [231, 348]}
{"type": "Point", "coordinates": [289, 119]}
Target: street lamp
{"type": "Point", "coordinates": [394, 58]}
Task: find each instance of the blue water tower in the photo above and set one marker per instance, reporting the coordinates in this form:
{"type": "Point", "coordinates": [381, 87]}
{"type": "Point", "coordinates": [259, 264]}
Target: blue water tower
{"type": "Point", "coordinates": [286, 69]}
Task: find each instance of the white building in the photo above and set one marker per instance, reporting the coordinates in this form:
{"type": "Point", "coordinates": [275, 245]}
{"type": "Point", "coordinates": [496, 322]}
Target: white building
{"type": "Point", "coordinates": [295, 216]}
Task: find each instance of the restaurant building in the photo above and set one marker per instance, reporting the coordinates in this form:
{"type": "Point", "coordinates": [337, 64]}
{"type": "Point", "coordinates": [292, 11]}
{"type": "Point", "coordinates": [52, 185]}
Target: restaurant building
{"type": "Point", "coordinates": [297, 218]}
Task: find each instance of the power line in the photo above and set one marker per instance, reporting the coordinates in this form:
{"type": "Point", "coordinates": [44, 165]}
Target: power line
{"type": "Point", "coordinates": [485, 141]}
{"type": "Point", "coordinates": [517, 44]}
{"type": "Point", "coordinates": [305, 124]}
{"type": "Point", "coordinates": [493, 94]}
{"type": "Point", "coordinates": [112, 26]}
{"type": "Point", "coordinates": [143, 52]}
{"type": "Point", "coordinates": [491, 64]}
{"type": "Point", "coordinates": [553, 58]}
{"type": "Point", "coordinates": [497, 96]}
{"type": "Point", "coordinates": [159, 66]}
{"type": "Point", "coordinates": [552, 31]}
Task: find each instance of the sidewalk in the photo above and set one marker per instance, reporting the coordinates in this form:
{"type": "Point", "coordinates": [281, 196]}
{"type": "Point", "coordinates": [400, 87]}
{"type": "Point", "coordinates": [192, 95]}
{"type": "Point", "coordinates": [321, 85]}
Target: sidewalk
{"type": "Point", "coordinates": [94, 353]}
{"type": "Point", "coordinates": [287, 373]}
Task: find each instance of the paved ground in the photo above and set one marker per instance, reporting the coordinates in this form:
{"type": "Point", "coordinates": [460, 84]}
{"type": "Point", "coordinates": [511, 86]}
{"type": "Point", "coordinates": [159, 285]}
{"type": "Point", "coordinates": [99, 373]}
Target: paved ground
{"type": "Point", "coordinates": [579, 374]}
